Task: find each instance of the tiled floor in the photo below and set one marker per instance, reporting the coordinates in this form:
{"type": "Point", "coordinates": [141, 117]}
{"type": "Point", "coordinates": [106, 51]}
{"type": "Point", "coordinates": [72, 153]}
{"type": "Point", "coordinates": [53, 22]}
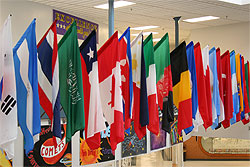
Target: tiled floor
{"type": "Point", "coordinates": [155, 160]}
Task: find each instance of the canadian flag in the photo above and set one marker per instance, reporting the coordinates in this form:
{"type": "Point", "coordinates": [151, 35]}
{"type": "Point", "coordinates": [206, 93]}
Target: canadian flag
{"type": "Point", "coordinates": [110, 88]}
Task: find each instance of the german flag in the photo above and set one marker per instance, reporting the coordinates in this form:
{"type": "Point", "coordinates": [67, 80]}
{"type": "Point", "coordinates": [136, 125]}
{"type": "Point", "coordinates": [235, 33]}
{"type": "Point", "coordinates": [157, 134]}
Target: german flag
{"type": "Point", "coordinates": [181, 86]}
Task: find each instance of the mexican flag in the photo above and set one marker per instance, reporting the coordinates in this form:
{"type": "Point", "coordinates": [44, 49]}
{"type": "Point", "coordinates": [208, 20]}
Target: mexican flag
{"type": "Point", "coordinates": [153, 125]}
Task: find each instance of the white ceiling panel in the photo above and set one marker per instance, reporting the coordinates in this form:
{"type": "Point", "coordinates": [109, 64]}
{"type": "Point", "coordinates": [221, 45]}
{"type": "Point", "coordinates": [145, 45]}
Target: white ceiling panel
{"type": "Point", "coordinates": [157, 12]}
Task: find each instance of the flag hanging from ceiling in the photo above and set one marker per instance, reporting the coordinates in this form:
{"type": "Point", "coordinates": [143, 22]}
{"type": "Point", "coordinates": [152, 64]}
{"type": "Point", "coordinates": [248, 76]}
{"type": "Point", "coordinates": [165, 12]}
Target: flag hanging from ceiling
{"type": "Point", "coordinates": [214, 85]}
{"type": "Point", "coordinates": [8, 113]}
{"type": "Point", "coordinates": [194, 93]}
{"type": "Point", "coordinates": [239, 85]}
{"type": "Point", "coordinates": [164, 81]}
{"type": "Point", "coordinates": [70, 82]}
{"type": "Point", "coordinates": [28, 107]}
{"type": "Point", "coordinates": [153, 125]}
{"type": "Point", "coordinates": [234, 87]}
{"type": "Point", "coordinates": [207, 73]}
{"type": "Point", "coordinates": [48, 78]}
{"type": "Point", "coordinates": [94, 120]}
{"type": "Point", "coordinates": [181, 86]}
{"type": "Point", "coordinates": [126, 76]}
{"type": "Point", "coordinates": [247, 84]}
{"type": "Point", "coordinates": [140, 100]}
{"type": "Point", "coordinates": [201, 88]}
{"type": "Point", "coordinates": [244, 114]}
{"type": "Point", "coordinates": [227, 88]}
{"type": "Point", "coordinates": [247, 80]}
{"type": "Point", "coordinates": [110, 88]}
{"type": "Point", "coordinates": [219, 72]}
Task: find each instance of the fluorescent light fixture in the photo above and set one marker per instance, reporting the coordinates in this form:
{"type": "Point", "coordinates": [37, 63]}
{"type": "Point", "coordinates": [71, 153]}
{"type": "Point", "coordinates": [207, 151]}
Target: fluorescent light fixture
{"type": "Point", "coordinates": [198, 19]}
{"type": "Point", "coordinates": [145, 33]}
{"type": "Point", "coordinates": [117, 4]}
{"type": "Point", "coordinates": [144, 27]}
{"type": "Point", "coordinates": [237, 2]}
{"type": "Point", "coordinates": [156, 39]}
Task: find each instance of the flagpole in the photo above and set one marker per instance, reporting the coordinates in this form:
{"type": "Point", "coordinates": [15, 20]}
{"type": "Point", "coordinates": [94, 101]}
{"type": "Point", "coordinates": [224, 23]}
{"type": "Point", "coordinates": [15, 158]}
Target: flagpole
{"type": "Point", "coordinates": [176, 19]}
{"type": "Point", "coordinates": [111, 17]}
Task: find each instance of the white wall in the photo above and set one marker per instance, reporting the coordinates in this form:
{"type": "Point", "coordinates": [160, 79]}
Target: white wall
{"type": "Point", "coordinates": [227, 37]}
{"type": "Point", "coordinates": [24, 12]}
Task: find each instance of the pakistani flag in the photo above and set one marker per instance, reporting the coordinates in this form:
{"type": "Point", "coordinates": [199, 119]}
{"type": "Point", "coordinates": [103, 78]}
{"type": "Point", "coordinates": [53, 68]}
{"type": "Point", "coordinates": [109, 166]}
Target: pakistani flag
{"type": "Point", "coordinates": [70, 79]}
{"type": "Point", "coordinates": [153, 125]}
{"type": "Point", "coordinates": [164, 80]}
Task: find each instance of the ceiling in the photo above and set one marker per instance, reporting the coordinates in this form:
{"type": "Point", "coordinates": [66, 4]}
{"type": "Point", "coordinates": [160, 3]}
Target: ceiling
{"type": "Point", "coordinates": [157, 12]}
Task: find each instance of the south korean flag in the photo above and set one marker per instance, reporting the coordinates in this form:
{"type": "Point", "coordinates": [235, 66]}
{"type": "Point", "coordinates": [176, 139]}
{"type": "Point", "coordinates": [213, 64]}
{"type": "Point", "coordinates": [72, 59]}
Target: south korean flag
{"type": "Point", "coordinates": [8, 105]}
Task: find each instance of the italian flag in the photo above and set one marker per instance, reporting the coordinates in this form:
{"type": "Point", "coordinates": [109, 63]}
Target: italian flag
{"type": "Point", "coordinates": [153, 125]}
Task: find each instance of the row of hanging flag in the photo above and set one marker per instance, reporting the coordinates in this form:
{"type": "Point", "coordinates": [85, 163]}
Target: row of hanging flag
{"type": "Point", "coordinates": [121, 82]}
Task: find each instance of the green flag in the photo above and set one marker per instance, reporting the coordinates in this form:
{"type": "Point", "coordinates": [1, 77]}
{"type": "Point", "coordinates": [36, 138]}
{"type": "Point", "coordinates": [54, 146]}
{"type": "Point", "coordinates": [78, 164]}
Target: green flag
{"type": "Point", "coordinates": [164, 80]}
{"type": "Point", "coordinates": [70, 81]}
{"type": "Point", "coordinates": [247, 80]}
{"type": "Point", "coordinates": [153, 125]}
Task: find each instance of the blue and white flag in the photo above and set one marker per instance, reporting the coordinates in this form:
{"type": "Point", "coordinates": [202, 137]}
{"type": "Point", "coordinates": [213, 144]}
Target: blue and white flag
{"type": "Point", "coordinates": [8, 111]}
{"type": "Point", "coordinates": [234, 88]}
{"type": "Point", "coordinates": [214, 84]}
{"type": "Point", "coordinates": [192, 70]}
{"type": "Point", "coordinates": [28, 107]}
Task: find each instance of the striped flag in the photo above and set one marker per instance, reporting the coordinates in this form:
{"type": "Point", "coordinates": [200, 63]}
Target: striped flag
{"type": "Point", "coordinates": [154, 124]}
{"type": "Point", "coordinates": [28, 107]}
{"type": "Point", "coordinates": [164, 81]}
{"type": "Point", "coordinates": [126, 76]}
{"type": "Point", "coordinates": [201, 88]}
{"type": "Point", "coordinates": [244, 114]}
{"type": "Point", "coordinates": [227, 88]}
{"type": "Point", "coordinates": [194, 93]}
{"type": "Point", "coordinates": [234, 87]}
{"type": "Point", "coordinates": [48, 78]}
{"type": "Point", "coordinates": [207, 73]}
{"type": "Point", "coordinates": [8, 112]}
{"type": "Point", "coordinates": [181, 86]}
{"type": "Point", "coordinates": [94, 120]}
{"type": "Point", "coordinates": [140, 99]}
{"type": "Point", "coordinates": [219, 71]}
{"type": "Point", "coordinates": [239, 85]}
{"type": "Point", "coordinates": [214, 85]}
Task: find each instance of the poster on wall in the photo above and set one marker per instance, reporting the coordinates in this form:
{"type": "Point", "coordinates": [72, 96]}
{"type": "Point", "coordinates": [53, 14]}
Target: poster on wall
{"type": "Point", "coordinates": [158, 141]}
{"type": "Point", "coordinates": [102, 154]}
{"type": "Point", "coordinates": [4, 162]}
{"type": "Point", "coordinates": [46, 154]}
{"type": "Point", "coordinates": [132, 145]}
{"type": "Point", "coordinates": [175, 138]}
{"type": "Point", "coordinates": [84, 27]}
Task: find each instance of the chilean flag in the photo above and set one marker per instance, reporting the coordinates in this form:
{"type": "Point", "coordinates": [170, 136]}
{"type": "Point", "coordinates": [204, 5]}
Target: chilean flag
{"type": "Point", "coordinates": [48, 78]}
{"type": "Point", "coordinates": [126, 76]}
{"type": "Point", "coordinates": [94, 120]}
{"type": "Point", "coordinates": [110, 88]}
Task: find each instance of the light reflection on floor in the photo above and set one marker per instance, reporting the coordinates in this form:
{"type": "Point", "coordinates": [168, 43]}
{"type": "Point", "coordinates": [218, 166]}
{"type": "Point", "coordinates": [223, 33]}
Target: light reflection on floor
{"type": "Point", "coordinates": [155, 160]}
